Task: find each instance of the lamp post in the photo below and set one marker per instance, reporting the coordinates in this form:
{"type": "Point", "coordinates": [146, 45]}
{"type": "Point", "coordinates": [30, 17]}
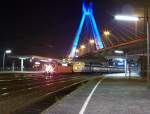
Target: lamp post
{"type": "Point", "coordinates": [22, 63]}
{"type": "Point", "coordinates": [134, 18]}
{"type": "Point", "coordinates": [5, 52]}
{"type": "Point", "coordinates": [106, 33]}
{"type": "Point", "coordinates": [82, 48]}
{"type": "Point", "coordinates": [148, 49]}
{"type": "Point", "coordinates": [91, 42]}
{"type": "Point", "coordinates": [118, 52]}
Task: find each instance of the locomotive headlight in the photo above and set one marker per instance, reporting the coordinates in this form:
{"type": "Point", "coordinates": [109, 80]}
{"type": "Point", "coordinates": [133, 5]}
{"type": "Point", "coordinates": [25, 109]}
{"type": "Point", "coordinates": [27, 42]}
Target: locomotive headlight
{"type": "Point", "coordinates": [49, 68]}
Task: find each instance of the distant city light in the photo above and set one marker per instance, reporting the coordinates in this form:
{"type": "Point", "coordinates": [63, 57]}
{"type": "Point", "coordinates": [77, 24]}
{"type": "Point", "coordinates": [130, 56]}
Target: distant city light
{"type": "Point", "coordinates": [8, 51]}
{"type": "Point", "coordinates": [119, 51]}
{"type": "Point", "coordinates": [126, 18]}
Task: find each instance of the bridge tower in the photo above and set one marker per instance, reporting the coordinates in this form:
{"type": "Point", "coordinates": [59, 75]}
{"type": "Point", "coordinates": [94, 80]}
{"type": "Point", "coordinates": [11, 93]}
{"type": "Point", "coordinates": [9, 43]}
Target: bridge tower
{"type": "Point", "coordinates": [87, 9]}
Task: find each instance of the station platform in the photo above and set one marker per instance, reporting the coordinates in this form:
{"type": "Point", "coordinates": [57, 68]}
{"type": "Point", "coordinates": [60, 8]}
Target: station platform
{"type": "Point", "coordinates": [105, 96]}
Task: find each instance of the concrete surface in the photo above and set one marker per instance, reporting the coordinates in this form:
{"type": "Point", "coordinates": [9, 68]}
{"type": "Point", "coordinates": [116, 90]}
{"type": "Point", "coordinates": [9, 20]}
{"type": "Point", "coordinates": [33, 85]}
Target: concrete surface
{"type": "Point", "coordinates": [112, 96]}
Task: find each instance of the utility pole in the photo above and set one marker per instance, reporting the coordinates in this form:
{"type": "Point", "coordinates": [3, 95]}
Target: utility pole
{"type": "Point", "coordinates": [148, 48]}
{"type": "Point", "coordinates": [126, 64]}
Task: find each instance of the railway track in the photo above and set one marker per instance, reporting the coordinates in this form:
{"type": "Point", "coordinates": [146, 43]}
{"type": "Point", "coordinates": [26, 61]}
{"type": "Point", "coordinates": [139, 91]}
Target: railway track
{"type": "Point", "coordinates": [17, 92]}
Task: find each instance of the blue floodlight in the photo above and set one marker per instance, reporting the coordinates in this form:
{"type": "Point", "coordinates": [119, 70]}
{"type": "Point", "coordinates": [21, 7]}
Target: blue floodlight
{"type": "Point", "coordinates": [75, 43]}
{"type": "Point", "coordinates": [87, 11]}
{"type": "Point", "coordinates": [97, 33]}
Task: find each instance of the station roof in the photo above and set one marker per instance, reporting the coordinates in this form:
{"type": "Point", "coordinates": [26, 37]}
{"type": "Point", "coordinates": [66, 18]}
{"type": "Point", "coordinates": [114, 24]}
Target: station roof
{"type": "Point", "coordinates": [40, 58]}
{"type": "Point", "coordinates": [136, 47]}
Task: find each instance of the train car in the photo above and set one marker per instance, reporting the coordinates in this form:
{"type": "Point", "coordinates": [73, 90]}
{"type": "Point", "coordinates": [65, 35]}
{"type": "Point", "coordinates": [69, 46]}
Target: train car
{"type": "Point", "coordinates": [82, 67]}
{"type": "Point", "coordinates": [63, 69]}
{"type": "Point", "coordinates": [57, 68]}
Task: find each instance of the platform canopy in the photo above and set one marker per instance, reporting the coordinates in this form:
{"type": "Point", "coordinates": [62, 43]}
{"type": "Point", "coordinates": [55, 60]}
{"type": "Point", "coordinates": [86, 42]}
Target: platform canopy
{"type": "Point", "coordinates": [32, 57]}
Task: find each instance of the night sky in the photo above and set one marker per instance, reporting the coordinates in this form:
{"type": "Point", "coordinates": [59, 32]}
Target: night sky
{"type": "Point", "coordinates": [47, 27]}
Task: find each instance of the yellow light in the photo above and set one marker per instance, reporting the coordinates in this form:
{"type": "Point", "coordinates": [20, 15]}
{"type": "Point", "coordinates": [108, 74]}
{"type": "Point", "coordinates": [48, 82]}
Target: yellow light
{"type": "Point", "coordinates": [77, 50]}
{"type": "Point", "coordinates": [82, 47]}
{"type": "Point", "coordinates": [106, 33]}
{"type": "Point", "coordinates": [91, 41]}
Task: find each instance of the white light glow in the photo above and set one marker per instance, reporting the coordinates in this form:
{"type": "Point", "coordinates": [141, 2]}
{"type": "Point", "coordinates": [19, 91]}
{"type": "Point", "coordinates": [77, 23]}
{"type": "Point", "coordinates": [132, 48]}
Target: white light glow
{"type": "Point", "coordinates": [76, 56]}
{"type": "Point", "coordinates": [37, 63]}
{"type": "Point", "coordinates": [44, 60]}
{"type": "Point", "coordinates": [8, 51]}
{"type": "Point", "coordinates": [77, 50]}
{"type": "Point", "coordinates": [49, 60]}
{"type": "Point", "coordinates": [82, 47]}
{"type": "Point", "coordinates": [49, 69]}
{"type": "Point", "coordinates": [126, 18]}
{"type": "Point", "coordinates": [118, 51]}
{"type": "Point", "coordinates": [120, 59]}
{"type": "Point", "coordinates": [64, 64]}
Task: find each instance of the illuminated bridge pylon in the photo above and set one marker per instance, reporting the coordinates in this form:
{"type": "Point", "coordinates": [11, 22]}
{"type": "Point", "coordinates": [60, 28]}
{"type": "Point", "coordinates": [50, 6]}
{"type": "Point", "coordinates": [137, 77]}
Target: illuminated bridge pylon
{"type": "Point", "coordinates": [87, 13]}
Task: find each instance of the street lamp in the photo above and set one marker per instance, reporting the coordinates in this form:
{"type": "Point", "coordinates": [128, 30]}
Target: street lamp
{"type": "Point", "coordinates": [5, 52]}
{"type": "Point", "coordinates": [91, 41]}
{"type": "Point", "coordinates": [126, 18]}
{"type": "Point", "coordinates": [82, 47]}
{"type": "Point", "coordinates": [135, 19]}
{"type": "Point", "coordinates": [118, 52]}
{"type": "Point", "coordinates": [91, 46]}
{"type": "Point", "coordinates": [106, 33]}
